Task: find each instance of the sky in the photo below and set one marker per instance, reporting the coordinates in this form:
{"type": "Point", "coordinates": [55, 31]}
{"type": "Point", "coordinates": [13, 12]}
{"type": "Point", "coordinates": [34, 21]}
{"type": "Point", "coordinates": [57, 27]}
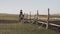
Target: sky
{"type": "Point", "coordinates": [14, 6]}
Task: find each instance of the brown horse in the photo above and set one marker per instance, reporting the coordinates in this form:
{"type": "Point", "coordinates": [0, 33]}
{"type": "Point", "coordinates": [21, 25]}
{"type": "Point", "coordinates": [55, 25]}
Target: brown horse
{"type": "Point", "coordinates": [21, 17]}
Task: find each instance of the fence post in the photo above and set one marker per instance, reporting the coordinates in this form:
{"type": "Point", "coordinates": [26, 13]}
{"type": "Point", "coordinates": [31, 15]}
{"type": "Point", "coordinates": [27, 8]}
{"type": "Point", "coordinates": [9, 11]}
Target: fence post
{"type": "Point", "coordinates": [47, 25]}
{"type": "Point", "coordinates": [37, 17]}
{"type": "Point", "coordinates": [37, 14]}
{"type": "Point", "coordinates": [30, 16]}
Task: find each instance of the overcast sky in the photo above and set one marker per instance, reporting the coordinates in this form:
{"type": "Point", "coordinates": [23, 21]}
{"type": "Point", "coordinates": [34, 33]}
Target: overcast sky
{"type": "Point", "coordinates": [14, 6]}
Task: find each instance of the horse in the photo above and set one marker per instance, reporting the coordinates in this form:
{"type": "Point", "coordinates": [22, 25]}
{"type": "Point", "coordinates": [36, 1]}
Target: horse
{"type": "Point", "coordinates": [21, 17]}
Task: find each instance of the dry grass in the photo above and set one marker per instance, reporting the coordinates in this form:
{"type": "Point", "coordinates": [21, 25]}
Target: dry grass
{"type": "Point", "coordinates": [24, 29]}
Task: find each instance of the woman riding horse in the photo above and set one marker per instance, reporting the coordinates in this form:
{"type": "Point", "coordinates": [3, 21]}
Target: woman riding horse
{"type": "Point", "coordinates": [21, 16]}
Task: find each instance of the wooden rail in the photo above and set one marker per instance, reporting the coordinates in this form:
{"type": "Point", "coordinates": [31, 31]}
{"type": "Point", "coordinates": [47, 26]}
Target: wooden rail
{"type": "Point", "coordinates": [50, 24]}
{"type": "Point", "coordinates": [40, 21]}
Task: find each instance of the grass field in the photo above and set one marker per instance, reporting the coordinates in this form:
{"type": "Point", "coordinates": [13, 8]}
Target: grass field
{"type": "Point", "coordinates": [24, 29]}
{"type": "Point", "coordinates": [15, 28]}
{"type": "Point", "coordinates": [8, 17]}
{"type": "Point", "coordinates": [16, 17]}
